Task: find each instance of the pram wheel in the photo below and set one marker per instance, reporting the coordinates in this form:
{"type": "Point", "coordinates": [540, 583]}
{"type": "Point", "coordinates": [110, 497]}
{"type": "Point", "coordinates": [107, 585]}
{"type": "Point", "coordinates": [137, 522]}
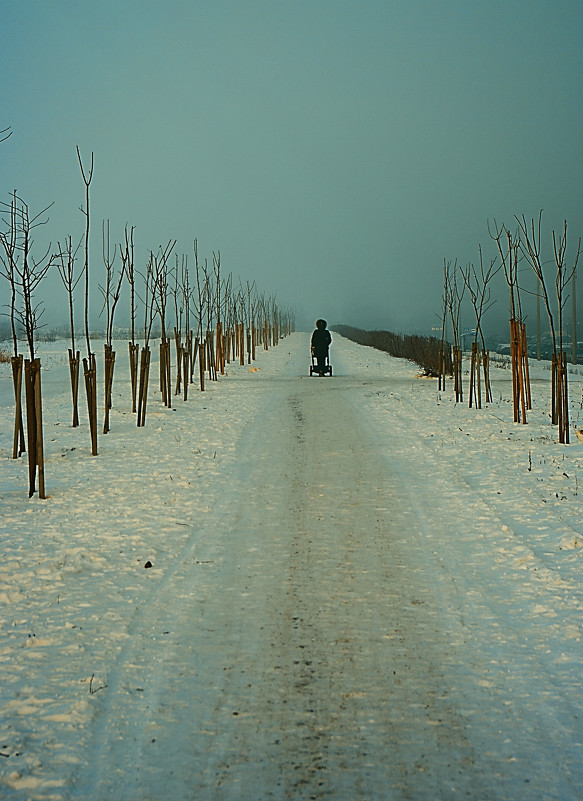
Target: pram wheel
{"type": "Point", "coordinates": [314, 369]}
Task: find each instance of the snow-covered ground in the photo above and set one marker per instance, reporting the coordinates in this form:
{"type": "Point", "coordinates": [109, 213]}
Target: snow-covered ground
{"type": "Point", "coordinates": [358, 589]}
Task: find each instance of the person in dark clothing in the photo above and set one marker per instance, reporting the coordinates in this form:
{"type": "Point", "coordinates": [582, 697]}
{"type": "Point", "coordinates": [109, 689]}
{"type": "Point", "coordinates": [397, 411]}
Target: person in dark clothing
{"type": "Point", "coordinates": [321, 340]}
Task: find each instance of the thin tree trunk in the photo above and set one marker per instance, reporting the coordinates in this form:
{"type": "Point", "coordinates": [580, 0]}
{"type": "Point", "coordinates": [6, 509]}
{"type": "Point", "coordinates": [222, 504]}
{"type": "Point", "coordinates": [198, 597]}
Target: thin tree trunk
{"type": "Point", "coordinates": [574, 297]}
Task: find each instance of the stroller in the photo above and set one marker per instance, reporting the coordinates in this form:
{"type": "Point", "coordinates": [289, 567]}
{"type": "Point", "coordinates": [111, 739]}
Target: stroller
{"type": "Point", "coordinates": [314, 369]}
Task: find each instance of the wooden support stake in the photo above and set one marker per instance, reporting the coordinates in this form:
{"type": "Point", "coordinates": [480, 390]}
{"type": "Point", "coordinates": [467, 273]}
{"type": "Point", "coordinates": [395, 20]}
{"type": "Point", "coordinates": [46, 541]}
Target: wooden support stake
{"type": "Point", "coordinates": [554, 370]}
{"type": "Point", "coordinates": [134, 350]}
{"type": "Point", "coordinates": [565, 401]}
{"type": "Point", "coordinates": [185, 363]}
{"type": "Point", "coordinates": [143, 388]}
{"type": "Point", "coordinates": [40, 460]}
{"type": "Point", "coordinates": [478, 372]}
{"type": "Point", "coordinates": [201, 365]}
{"type": "Point", "coordinates": [30, 426]}
{"type": "Point", "coordinates": [211, 357]}
{"type": "Point", "coordinates": [486, 365]}
{"type": "Point", "coordinates": [515, 370]}
{"type": "Point", "coordinates": [109, 365]}
{"type": "Point", "coordinates": [74, 362]}
{"type": "Point", "coordinates": [522, 385]}
{"type": "Point", "coordinates": [90, 375]}
{"type": "Point", "coordinates": [162, 377]}
{"type": "Point", "coordinates": [525, 370]}
{"type": "Point", "coordinates": [559, 397]}
{"type": "Point", "coordinates": [472, 374]}
{"type": "Point", "coordinates": [179, 361]}
{"type": "Point", "coordinates": [19, 445]}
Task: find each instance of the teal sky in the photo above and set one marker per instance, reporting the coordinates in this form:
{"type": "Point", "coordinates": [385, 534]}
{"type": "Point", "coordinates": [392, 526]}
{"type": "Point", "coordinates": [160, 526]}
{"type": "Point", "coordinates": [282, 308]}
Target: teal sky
{"type": "Point", "coordinates": [334, 152]}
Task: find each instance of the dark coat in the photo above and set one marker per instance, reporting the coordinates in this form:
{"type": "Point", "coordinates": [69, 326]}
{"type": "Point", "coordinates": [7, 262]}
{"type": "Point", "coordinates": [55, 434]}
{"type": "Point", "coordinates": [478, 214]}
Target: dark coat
{"type": "Point", "coordinates": [321, 339]}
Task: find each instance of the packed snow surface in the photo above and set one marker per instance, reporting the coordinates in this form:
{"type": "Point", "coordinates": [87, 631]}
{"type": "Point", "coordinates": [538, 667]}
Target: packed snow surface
{"type": "Point", "coordinates": [293, 587]}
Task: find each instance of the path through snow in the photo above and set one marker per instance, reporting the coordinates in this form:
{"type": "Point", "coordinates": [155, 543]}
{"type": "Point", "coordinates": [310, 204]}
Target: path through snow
{"type": "Point", "coordinates": [352, 615]}
{"type": "Point", "coordinates": [321, 657]}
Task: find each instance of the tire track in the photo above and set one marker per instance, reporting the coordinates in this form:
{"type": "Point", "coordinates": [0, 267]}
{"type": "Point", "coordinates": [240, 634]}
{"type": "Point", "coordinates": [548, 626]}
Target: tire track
{"type": "Point", "coordinates": [309, 660]}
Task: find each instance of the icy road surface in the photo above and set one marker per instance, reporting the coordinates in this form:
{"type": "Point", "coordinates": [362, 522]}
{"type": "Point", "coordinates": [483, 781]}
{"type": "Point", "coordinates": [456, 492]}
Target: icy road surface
{"type": "Point", "coordinates": [354, 606]}
{"type": "Point", "coordinates": [317, 654]}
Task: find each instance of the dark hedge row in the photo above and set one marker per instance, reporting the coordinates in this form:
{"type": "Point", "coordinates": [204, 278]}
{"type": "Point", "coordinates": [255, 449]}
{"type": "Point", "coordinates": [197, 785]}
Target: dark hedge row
{"type": "Point", "coordinates": [424, 351]}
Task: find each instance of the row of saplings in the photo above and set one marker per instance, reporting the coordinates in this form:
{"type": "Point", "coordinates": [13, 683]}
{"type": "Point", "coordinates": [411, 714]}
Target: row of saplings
{"type": "Point", "coordinates": [213, 352]}
{"type": "Point", "coordinates": [512, 249]}
{"type": "Point", "coordinates": [214, 301]}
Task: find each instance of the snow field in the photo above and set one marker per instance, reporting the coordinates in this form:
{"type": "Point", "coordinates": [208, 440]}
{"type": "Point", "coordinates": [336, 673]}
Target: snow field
{"type": "Point", "coordinates": [498, 510]}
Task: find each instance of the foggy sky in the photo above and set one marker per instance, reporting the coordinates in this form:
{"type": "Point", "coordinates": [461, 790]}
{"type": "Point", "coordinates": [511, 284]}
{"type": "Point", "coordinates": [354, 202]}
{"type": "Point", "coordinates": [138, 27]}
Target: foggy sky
{"type": "Point", "coordinates": [335, 152]}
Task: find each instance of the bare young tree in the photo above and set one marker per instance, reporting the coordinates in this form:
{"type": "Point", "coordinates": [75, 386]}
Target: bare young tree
{"type": "Point", "coordinates": [177, 294]}
{"type": "Point", "coordinates": [127, 258]}
{"type": "Point", "coordinates": [508, 248]}
{"type": "Point", "coordinates": [574, 321]}
{"type": "Point", "coordinates": [9, 257]}
{"type": "Point", "coordinates": [208, 305]}
{"type": "Point", "coordinates": [67, 256]}
{"type": "Point", "coordinates": [182, 332]}
{"type": "Point", "coordinates": [160, 287]}
{"type": "Point", "coordinates": [240, 315]}
{"type": "Point", "coordinates": [9, 241]}
{"type": "Point", "coordinates": [477, 284]}
{"type": "Point", "coordinates": [250, 303]}
{"type": "Point", "coordinates": [563, 277]}
{"type": "Point", "coordinates": [219, 343]}
{"type": "Point", "coordinates": [530, 244]}
{"type": "Point", "coordinates": [564, 274]}
{"type": "Point", "coordinates": [227, 316]}
{"type": "Point", "coordinates": [87, 177]}
{"type": "Point", "coordinates": [445, 360]}
{"type": "Point", "coordinates": [262, 320]}
{"type": "Point", "coordinates": [111, 293]}
{"type": "Point", "coordinates": [454, 293]}
{"type": "Point", "coordinates": [89, 366]}
{"type": "Point", "coordinates": [25, 272]}
{"type": "Point", "coordinates": [201, 303]}
{"type": "Point", "coordinates": [145, 353]}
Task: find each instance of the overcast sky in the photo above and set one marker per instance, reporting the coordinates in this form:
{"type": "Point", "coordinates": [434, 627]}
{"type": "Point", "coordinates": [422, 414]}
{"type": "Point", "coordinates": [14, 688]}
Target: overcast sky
{"type": "Point", "coordinates": [334, 151]}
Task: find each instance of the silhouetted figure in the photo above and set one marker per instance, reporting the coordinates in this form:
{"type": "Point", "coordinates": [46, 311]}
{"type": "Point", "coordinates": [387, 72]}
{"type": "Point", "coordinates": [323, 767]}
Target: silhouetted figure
{"type": "Point", "coordinates": [321, 340]}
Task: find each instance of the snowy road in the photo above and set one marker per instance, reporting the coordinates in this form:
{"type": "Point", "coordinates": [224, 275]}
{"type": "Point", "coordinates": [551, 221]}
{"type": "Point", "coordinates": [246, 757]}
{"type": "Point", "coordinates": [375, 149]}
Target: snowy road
{"type": "Point", "coordinates": [351, 598]}
{"type": "Point", "coordinates": [324, 642]}
{"type": "Point", "coordinates": [309, 651]}
{"type": "Point", "coordinates": [325, 671]}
